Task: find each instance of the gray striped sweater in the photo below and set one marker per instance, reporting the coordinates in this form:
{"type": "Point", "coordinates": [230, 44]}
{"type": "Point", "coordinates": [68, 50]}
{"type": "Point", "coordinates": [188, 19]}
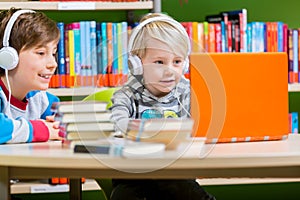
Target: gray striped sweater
{"type": "Point", "coordinates": [133, 100]}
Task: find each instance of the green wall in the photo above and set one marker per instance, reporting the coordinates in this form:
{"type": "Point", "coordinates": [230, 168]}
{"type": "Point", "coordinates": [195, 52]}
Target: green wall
{"type": "Point", "coordinates": [258, 10]}
{"type": "Point", "coordinates": [195, 10]}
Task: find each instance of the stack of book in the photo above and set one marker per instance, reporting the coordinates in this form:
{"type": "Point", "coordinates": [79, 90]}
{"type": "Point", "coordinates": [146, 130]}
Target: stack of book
{"type": "Point", "coordinates": [83, 120]}
{"type": "Point", "coordinates": [168, 131]}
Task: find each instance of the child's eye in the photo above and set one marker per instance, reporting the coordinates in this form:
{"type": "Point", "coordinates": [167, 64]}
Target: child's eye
{"type": "Point", "coordinates": [159, 62]}
{"type": "Point", "coordinates": [41, 53]}
{"type": "Point", "coordinates": [177, 62]}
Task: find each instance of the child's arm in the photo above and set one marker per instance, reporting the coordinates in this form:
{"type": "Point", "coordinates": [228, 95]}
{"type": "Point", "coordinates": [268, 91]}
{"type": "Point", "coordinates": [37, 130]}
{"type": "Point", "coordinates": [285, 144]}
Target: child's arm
{"type": "Point", "coordinates": [122, 109]}
{"type": "Point", "coordinates": [22, 130]}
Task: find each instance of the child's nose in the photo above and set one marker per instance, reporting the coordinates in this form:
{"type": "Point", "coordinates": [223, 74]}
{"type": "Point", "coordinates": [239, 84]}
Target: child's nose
{"type": "Point", "coordinates": [52, 63]}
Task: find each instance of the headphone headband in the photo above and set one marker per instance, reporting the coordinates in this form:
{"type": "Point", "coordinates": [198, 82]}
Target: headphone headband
{"type": "Point", "coordinates": [169, 20]}
{"type": "Point", "coordinates": [10, 24]}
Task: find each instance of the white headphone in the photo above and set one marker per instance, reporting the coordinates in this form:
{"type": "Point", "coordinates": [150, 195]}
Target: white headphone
{"type": "Point", "coordinates": [9, 57]}
{"type": "Point", "coordinates": [135, 61]}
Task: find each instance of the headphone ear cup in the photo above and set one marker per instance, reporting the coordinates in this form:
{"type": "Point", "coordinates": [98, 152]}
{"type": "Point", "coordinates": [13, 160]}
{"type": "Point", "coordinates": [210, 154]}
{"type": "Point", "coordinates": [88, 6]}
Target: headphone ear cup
{"type": "Point", "coordinates": [186, 65]}
{"type": "Point", "coordinates": [8, 58]}
{"type": "Point", "coordinates": [136, 65]}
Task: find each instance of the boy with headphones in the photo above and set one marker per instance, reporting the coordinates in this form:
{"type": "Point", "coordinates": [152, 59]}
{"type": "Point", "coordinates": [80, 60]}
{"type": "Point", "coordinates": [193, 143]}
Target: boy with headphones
{"type": "Point", "coordinates": [158, 56]}
{"type": "Point", "coordinates": [27, 62]}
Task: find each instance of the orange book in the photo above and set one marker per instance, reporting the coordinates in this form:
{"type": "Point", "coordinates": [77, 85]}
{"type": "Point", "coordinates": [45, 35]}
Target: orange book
{"type": "Point", "coordinates": [233, 99]}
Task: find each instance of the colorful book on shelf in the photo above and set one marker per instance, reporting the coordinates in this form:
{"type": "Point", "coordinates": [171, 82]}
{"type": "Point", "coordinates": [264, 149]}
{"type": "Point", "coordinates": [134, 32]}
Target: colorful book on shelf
{"type": "Point", "coordinates": [83, 69]}
{"type": "Point", "coordinates": [61, 56]}
{"type": "Point", "coordinates": [102, 79]}
{"type": "Point", "coordinates": [67, 55]}
{"type": "Point", "coordinates": [71, 76]}
{"type": "Point", "coordinates": [293, 122]}
{"type": "Point", "coordinates": [99, 52]}
{"type": "Point", "coordinates": [123, 68]}
{"type": "Point", "coordinates": [89, 73]}
{"type": "Point", "coordinates": [77, 60]}
{"type": "Point", "coordinates": [243, 108]}
{"type": "Point", "coordinates": [110, 53]}
{"type": "Point", "coordinates": [93, 52]}
{"type": "Point", "coordinates": [79, 107]}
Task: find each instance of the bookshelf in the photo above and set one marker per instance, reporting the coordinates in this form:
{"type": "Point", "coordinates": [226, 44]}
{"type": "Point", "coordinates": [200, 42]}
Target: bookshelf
{"type": "Point", "coordinates": [82, 5]}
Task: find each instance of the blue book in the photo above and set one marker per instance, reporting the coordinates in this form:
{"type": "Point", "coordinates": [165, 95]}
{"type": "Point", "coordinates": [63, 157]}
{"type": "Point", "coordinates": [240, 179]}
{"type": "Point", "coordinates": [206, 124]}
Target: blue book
{"type": "Point", "coordinates": [124, 48]}
{"type": "Point", "coordinates": [61, 54]}
{"type": "Point", "coordinates": [104, 48]}
{"type": "Point", "coordinates": [88, 49]}
{"type": "Point", "coordinates": [99, 47]}
{"type": "Point", "coordinates": [294, 122]}
{"type": "Point", "coordinates": [295, 50]}
{"type": "Point", "coordinates": [83, 64]}
{"type": "Point", "coordinates": [280, 36]}
{"type": "Point", "coordinates": [115, 49]}
{"type": "Point", "coordinates": [93, 52]}
{"type": "Point", "coordinates": [249, 37]}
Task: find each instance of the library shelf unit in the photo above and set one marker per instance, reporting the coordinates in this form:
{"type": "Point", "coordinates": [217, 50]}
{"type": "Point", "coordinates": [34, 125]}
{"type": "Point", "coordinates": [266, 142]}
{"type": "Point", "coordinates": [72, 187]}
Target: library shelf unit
{"type": "Point", "coordinates": [84, 91]}
{"type": "Point", "coordinates": [82, 5]}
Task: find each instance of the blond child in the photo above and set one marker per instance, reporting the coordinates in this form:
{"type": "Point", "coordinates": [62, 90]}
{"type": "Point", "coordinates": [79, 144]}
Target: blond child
{"type": "Point", "coordinates": [158, 55]}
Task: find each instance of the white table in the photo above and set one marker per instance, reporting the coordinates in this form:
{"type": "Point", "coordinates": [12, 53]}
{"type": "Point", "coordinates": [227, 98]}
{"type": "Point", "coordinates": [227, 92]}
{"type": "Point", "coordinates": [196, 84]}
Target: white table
{"type": "Point", "coordinates": [253, 159]}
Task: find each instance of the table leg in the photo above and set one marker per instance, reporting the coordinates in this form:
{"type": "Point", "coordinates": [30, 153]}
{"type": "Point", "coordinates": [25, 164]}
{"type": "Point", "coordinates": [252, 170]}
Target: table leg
{"type": "Point", "coordinates": [75, 189]}
{"type": "Point", "coordinates": [4, 183]}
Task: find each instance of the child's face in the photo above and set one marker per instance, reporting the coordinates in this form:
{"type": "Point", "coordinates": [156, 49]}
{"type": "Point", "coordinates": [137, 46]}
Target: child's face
{"type": "Point", "coordinates": [36, 67]}
{"type": "Point", "coordinates": [162, 68]}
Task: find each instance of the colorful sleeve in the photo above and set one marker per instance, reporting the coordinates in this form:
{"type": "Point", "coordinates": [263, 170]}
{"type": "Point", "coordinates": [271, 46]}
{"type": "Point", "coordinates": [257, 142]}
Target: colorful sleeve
{"type": "Point", "coordinates": [51, 99]}
{"type": "Point", "coordinates": [121, 110]}
{"type": "Point", "coordinates": [21, 130]}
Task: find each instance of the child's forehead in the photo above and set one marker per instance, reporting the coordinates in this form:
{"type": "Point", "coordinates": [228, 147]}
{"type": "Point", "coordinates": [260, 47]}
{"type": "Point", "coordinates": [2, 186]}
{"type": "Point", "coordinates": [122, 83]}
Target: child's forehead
{"type": "Point", "coordinates": [155, 46]}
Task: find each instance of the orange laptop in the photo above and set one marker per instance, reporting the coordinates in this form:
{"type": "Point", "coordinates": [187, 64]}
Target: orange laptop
{"type": "Point", "coordinates": [239, 97]}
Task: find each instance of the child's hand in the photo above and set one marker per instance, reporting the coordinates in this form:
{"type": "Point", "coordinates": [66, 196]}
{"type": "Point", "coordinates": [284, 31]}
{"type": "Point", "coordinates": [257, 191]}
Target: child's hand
{"type": "Point", "coordinates": [53, 127]}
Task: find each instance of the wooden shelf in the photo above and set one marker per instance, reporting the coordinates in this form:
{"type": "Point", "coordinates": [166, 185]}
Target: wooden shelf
{"type": "Point", "coordinates": [84, 91]}
{"type": "Point", "coordinates": [90, 184]}
{"type": "Point", "coordinates": [79, 5]}
{"type": "Point", "coordinates": [26, 187]}
{"type": "Point", "coordinates": [294, 87]}
{"type": "Point", "coordinates": [80, 91]}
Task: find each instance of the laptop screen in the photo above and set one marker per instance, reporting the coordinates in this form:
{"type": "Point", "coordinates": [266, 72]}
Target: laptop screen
{"type": "Point", "coordinates": [239, 96]}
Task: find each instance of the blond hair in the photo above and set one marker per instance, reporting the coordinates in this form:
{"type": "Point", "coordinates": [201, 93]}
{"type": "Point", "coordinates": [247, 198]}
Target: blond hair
{"type": "Point", "coordinates": [163, 31]}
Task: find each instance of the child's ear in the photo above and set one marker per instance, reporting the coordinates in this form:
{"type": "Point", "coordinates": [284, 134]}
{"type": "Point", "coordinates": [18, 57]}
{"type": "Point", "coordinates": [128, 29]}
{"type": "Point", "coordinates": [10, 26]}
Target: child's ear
{"type": "Point", "coordinates": [135, 64]}
{"type": "Point", "coordinates": [9, 58]}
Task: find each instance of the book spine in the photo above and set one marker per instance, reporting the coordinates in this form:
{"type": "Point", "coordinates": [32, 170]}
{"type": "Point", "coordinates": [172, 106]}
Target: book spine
{"type": "Point", "coordinates": [83, 65]}
{"type": "Point", "coordinates": [124, 67]}
{"type": "Point", "coordinates": [218, 38]}
{"type": "Point", "coordinates": [61, 55]}
{"type": "Point", "coordinates": [93, 52]}
{"type": "Point", "coordinates": [103, 76]}
{"type": "Point", "coordinates": [71, 77]}
{"type": "Point", "coordinates": [295, 55]}
{"type": "Point", "coordinates": [99, 52]}
{"type": "Point", "coordinates": [109, 29]}
{"type": "Point", "coordinates": [77, 61]}
{"type": "Point", "coordinates": [88, 80]}
{"type": "Point", "coordinates": [67, 55]}
{"type": "Point", "coordinates": [119, 55]}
